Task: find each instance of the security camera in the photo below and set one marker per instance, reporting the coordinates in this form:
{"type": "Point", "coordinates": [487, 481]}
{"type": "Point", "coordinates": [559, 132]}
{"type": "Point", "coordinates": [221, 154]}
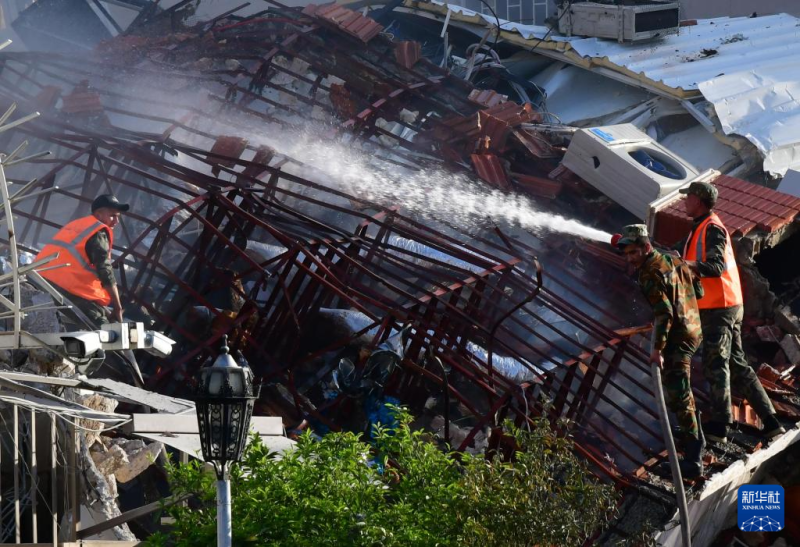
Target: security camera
{"type": "Point", "coordinates": [81, 344]}
{"type": "Point", "coordinates": [157, 344]}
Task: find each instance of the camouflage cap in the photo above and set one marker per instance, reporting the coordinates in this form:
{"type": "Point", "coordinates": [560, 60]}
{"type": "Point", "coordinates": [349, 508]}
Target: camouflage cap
{"type": "Point", "coordinates": [630, 233]}
{"type": "Point", "coordinates": [703, 190]}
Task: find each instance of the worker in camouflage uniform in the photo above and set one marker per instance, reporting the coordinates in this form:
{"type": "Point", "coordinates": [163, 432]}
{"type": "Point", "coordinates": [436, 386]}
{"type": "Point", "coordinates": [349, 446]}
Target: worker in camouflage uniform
{"type": "Point", "coordinates": [668, 286]}
{"type": "Point", "coordinates": [708, 252]}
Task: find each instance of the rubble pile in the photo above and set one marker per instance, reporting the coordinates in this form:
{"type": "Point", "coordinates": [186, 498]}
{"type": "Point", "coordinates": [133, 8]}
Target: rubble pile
{"type": "Point", "coordinates": [227, 235]}
{"type": "Point", "coordinates": [242, 144]}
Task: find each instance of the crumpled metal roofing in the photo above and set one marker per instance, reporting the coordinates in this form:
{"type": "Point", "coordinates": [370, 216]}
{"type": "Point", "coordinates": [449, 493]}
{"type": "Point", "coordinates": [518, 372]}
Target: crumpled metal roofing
{"type": "Point", "coordinates": [746, 67]}
{"type": "Point", "coordinates": [224, 240]}
{"type": "Point", "coordinates": [761, 104]}
{"type": "Point", "coordinates": [703, 52]}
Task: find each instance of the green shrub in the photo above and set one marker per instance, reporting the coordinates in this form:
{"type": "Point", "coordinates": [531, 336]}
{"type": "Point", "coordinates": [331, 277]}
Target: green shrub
{"type": "Point", "coordinates": [401, 491]}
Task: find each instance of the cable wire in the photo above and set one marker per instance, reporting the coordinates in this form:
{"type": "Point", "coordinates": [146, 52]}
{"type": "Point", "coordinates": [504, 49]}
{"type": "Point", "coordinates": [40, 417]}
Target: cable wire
{"type": "Point", "coordinates": [550, 30]}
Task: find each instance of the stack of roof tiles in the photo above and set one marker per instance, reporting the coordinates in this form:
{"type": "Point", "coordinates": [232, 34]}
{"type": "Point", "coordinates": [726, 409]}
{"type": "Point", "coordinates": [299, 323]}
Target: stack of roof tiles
{"type": "Point", "coordinates": [743, 207]}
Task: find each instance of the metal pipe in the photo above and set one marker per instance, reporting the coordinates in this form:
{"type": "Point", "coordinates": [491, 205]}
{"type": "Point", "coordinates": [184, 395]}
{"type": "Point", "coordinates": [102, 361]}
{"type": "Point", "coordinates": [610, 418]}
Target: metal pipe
{"type": "Point", "coordinates": [54, 477]}
{"type": "Point", "coordinates": [17, 527]}
{"type": "Point", "coordinates": [72, 481]}
{"type": "Point", "coordinates": [446, 389]}
{"type": "Point", "coordinates": [34, 480]}
{"type": "Point", "coordinates": [677, 479]}
{"type": "Point", "coordinates": [224, 531]}
{"type": "Point", "coordinates": [526, 300]}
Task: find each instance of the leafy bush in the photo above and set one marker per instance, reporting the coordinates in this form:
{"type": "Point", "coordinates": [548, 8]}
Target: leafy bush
{"type": "Point", "coordinates": [400, 491]}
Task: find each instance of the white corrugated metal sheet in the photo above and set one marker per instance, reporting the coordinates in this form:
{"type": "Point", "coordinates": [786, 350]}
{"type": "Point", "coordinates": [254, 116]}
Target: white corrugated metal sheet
{"type": "Point", "coordinates": [763, 105]}
{"type": "Point", "coordinates": [748, 68]}
{"type": "Point", "coordinates": [708, 50]}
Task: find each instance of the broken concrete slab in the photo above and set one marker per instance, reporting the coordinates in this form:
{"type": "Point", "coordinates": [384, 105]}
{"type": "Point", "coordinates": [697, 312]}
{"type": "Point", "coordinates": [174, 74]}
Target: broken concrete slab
{"type": "Point", "coordinates": [769, 333]}
{"type": "Point", "coordinates": [99, 498]}
{"type": "Point", "coordinates": [791, 347]}
{"type": "Point", "coordinates": [94, 401]}
{"type": "Point", "coordinates": [759, 300]}
{"type": "Point", "coordinates": [109, 460]}
{"type": "Point", "coordinates": [133, 394]}
{"type": "Point", "coordinates": [138, 461]}
{"type": "Point", "coordinates": [786, 320]}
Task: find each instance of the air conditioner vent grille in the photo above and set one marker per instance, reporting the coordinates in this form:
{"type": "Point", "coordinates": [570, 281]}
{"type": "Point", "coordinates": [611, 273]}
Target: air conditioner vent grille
{"type": "Point", "coordinates": [657, 20]}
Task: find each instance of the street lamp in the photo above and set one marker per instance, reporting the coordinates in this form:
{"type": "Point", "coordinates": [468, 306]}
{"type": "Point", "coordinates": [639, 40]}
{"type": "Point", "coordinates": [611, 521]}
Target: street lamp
{"type": "Point", "coordinates": [224, 401]}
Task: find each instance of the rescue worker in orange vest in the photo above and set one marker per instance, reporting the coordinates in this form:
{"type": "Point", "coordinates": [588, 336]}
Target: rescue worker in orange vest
{"type": "Point", "coordinates": [709, 254]}
{"type": "Point", "coordinates": [84, 260]}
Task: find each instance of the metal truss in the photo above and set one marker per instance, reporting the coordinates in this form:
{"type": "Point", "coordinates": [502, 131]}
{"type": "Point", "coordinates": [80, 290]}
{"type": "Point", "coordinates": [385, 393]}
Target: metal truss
{"type": "Point", "coordinates": [227, 236]}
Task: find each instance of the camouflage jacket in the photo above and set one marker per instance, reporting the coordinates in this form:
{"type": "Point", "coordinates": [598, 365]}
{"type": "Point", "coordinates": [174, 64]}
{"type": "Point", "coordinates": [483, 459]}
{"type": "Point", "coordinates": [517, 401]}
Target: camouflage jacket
{"type": "Point", "coordinates": [667, 284]}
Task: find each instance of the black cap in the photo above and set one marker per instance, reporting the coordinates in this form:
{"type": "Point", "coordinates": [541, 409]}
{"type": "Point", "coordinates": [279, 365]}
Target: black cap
{"type": "Point", "coordinates": [109, 201]}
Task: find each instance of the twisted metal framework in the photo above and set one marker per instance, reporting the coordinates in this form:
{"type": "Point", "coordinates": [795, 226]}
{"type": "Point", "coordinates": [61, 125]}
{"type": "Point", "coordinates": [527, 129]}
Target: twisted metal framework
{"type": "Point", "coordinates": [227, 231]}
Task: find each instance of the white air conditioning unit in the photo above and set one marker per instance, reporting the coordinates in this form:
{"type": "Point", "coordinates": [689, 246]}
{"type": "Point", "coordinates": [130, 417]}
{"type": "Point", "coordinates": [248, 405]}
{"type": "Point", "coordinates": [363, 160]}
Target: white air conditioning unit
{"type": "Point", "coordinates": [627, 165]}
{"type": "Point", "coordinates": [642, 21]}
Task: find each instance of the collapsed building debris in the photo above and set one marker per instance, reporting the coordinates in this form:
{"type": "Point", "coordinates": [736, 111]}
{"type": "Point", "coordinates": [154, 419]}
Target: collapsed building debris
{"type": "Point", "coordinates": [705, 72]}
{"type": "Point", "coordinates": [233, 140]}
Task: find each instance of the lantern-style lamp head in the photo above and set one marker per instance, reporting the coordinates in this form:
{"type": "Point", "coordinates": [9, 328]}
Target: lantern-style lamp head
{"type": "Point", "coordinates": [224, 401]}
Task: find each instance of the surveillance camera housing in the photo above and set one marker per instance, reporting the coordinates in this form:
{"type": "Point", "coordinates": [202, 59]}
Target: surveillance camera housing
{"type": "Point", "coordinates": [80, 345]}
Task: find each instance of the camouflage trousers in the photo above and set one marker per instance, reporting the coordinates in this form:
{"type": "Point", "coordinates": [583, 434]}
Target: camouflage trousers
{"type": "Point", "coordinates": [676, 379]}
{"type": "Point", "coordinates": [725, 364]}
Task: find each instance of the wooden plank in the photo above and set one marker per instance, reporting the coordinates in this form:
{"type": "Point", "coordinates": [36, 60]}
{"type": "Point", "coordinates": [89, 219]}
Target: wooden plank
{"type": "Point", "coordinates": [128, 516]}
{"type": "Point", "coordinates": [187, 423]}
{"type": "Point", "coordinates": [108, 388]}
{"type": "Point", "coordinates": [133, 394]}
{"type": "Point", "coordinates": [89, 543]}
{"type": "Point", "coordinates": [51, 380]}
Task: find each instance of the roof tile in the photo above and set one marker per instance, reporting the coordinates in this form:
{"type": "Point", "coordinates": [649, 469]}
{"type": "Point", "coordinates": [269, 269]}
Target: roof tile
{"type": "Point", "coordinates": [490, 169]}
{"type": "Point", "coordinates": [408, 53]}
{"type": "Point", "coordinates": [747, 228]}
{"type": "Point", "coordinates": [744, 206]}
{"type": "Point", "coordinates": [772, 223]}
{"type": "Point", "coordinates": [352, 22]}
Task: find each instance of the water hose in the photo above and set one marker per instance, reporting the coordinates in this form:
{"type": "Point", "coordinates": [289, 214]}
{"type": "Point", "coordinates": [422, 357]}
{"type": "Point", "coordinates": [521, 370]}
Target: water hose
{"type": "Point", "coordinates": [677, 479]}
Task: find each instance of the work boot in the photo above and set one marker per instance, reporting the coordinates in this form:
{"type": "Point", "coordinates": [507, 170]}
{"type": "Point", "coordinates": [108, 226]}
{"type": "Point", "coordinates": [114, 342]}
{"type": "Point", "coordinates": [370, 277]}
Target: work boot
{"type": "Point", "coordinates": [692, 462]}
{"type": "Point", "coordinates": [772, 427]}
{"type": "Point", "coordinates": [716, 431]}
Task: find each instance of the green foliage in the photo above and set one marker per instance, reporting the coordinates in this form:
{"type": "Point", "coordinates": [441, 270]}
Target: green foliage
{"type": "Point", "coordinates": [401, 491]}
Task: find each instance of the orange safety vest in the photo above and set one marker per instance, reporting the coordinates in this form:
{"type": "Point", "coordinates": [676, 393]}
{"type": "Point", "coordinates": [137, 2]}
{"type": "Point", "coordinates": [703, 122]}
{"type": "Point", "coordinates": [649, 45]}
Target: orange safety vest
{"type": "Point", "coordinates": [720, 292]}
{"type": "Point", "coordinates": [75, 273]}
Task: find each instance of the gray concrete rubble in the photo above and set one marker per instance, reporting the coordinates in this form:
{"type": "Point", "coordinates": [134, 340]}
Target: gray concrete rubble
{"type": "Point", "coordinates": [107, 461]}
{"type": "Point", "coordinates": [124, 458]}
{"type": "Point", "coordinates": [786, 320]}
{"type": "Point", "coordinates": [791, 347]}
{"type": "Point", "coordinates": [100, 494]}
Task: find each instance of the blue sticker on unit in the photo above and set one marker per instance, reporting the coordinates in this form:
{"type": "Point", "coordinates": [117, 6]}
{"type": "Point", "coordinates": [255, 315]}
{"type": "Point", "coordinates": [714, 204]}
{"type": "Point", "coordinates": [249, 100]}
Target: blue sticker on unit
{"type": "Point", "coordinates": [761, 508]}
{"type": "Point", "coordinates": [602, 134]}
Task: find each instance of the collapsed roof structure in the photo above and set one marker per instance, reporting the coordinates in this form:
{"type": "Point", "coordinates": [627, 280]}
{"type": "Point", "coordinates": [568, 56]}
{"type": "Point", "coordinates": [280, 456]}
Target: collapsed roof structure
{"type": "Point", "coordinates": [302, 181]}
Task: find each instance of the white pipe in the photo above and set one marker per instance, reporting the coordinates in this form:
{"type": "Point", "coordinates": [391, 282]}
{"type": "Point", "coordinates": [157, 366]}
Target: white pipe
{"type": "Point", "coordinates": [224, 530]}
{"type": "Point", "coordinates": [12, 252]}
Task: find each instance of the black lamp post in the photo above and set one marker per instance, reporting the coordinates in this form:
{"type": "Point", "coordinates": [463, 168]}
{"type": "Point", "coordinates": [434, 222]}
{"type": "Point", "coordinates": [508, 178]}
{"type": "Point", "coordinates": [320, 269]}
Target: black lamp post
{"type": "Point", "coordinates": [224, 401]}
